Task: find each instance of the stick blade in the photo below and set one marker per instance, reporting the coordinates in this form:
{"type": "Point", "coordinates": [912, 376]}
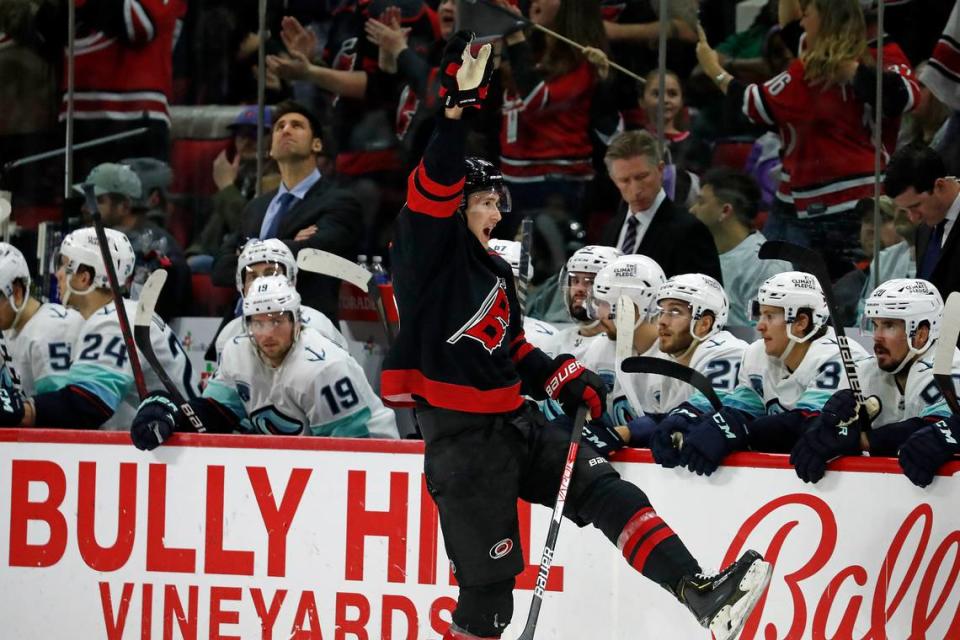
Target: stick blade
{"type": "Point", "coordinates": [943, 353]}
{"type": "Point", "coordinates": [148, 298]}
{"type": "Point", "coordinates": [329, 264]}
{"type": "Point", "coordinates": [626, 320]}
{"type": "Point", "coordinates": [671, 369]}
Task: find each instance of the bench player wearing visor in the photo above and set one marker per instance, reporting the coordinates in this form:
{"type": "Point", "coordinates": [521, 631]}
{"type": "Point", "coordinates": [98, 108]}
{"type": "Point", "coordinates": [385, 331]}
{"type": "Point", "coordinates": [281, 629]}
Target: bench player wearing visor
{"type": "Point", "coordinates": [286, 379]}
{"type": "Point", "coordinates": [269, 258]}
{"type": "Point", "coordinates": [98, 389]}
{"type": "Point", "coordinates": [461, 357]}
{"type": "Point", "coordinates": [903, 401]}
{"type": "Point", "coordinates": [539, 333]}
{"type": "Point", "coordinates": [39, 335]}
{"type": "Point", "coordinates": [785, 378]}
{"type": "Point", "coordinates": [692, 311]}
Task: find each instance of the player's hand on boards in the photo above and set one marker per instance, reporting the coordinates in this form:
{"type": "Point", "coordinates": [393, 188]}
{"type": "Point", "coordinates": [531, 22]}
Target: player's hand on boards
{"type": "Point", "coordinates": [843, 411]}
{"type": "Point", "coordinates": [11, 407]}
{"type": "Point", "coordinates": [603, 437]}
{"type": "Point", "coordinates": [669, 433]}
{"type": "Point", "coordinates": [464, 78]}
{"type": "Point", "coordinates": [572, 384]}
{"type": "Point", "coordinates": [155, 422]}
{"type": "Point", "coordinates": [710, 439]}
{"type": "Point", "coordinates": [835, 432]}
{"type": "Point", "coordinates": [929, 448]}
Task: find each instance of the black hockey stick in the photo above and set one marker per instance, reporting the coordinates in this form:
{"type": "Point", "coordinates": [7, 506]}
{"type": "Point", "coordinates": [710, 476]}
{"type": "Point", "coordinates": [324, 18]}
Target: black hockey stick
{"type": "Point", "coordinates": [810, 261]}
{"type": "Point", "coordinates": [549, 548]}
{"type": "Point", "coordinates": [943, 356]}
{"type": "Point", "coordinates": [671, 369]}
{"type": "Point", "coordinates": [118, 303]}
{"type": "Point", "coordinates": [526, 241]}
{"type": "Point", "coordinates": [141, 331]}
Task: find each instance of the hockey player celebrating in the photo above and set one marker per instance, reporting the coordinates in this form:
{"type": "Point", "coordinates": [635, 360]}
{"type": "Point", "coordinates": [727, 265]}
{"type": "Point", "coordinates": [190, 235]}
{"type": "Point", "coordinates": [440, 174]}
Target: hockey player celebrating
{"type": "Point", "coordinates": [267, 258]}
{"type": "Point", "coordinates": [40, 335]}
{"type": "Point", "coordinates": [576, 285]}
{"type": "Point", "coordinates": [904, 316]}
{"type": "Point", "coordinates": [539, 333]}
{"type": "Point", "coordinates": [461, 358]}
{"type": "Point", "coordinates": [286, 380]}
{"type": "Point", "coordinates": [785, 378]}
{"type": "Point", "coordinates": [98, 389]}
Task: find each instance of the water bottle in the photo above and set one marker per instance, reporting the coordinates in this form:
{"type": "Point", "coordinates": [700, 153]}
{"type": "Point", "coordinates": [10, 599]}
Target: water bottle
{"type": "Point", "coordinates": [363, 262]}
{"type": "Point", "coordinates": [380, 275]}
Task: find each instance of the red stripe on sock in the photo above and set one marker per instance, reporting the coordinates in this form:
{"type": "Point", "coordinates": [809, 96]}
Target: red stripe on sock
{"type": "Point", "coordinates": [640, 523]}
{"type": "Point", "coordinates": [648, 545]}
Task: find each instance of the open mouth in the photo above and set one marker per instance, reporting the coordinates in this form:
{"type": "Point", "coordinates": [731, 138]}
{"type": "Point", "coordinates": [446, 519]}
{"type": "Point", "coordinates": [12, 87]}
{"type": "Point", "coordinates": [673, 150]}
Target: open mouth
{"type": "Point", "coordinates": [487, 233]}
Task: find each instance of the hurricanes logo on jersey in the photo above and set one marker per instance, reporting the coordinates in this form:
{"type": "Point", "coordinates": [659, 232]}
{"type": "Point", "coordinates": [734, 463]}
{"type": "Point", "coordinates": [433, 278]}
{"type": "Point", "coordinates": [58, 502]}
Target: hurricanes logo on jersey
{"type": "Point", "coordinates": [489, 324]}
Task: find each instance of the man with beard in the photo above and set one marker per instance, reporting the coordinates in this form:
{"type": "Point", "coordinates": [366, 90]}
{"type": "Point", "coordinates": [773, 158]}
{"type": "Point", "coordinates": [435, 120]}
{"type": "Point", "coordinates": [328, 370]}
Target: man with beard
{"type": "Point", "coordinates": [904, 316]}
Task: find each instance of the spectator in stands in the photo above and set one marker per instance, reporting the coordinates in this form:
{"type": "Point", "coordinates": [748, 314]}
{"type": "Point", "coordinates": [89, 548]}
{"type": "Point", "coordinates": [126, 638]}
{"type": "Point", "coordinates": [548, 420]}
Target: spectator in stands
{"type": "Point", "coordinates": [155, 179]}
{"type": "Point", "coordinates": [235, 175]}
{"type": "Point", "coordinates": [649, 222]}
{"type": "Point", "coordinates": [917, 181]}
{"type": "Point", "coordinates": [828, 152]}
{"type": "Point", "coordinates": [727, 205]}
{"type": "Point", "coordinates": [550, 87]}
{"type": "Point", "coordinates": [119, 198]}
{"type": "Point", "coordinates": [307, 210]}
{"type": "Point", "coordinates": [927, 123]}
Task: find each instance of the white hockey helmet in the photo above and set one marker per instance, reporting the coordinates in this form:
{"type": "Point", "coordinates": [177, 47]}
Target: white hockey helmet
{"type": "Point", "coordinates": [13, 267]}
{"type": "Point", "coordinates": [271, 294]}
{"type": "Point", "coordinates": [81, 248]}
{"type": "Point", "coordinates": [793, 291]}
{"type": "Point", "coordinates": [703, 294]}
{"type": "Point", "coordinates": [272, 250]}
{"type": "Point", "coordinates": [591, 259]}
{"type": "Point", "coordinates": [912, 300]}
{"type": "Point", "coordinates": [636, 276]}
{"type": "Point", "coordinates": [509, 250]}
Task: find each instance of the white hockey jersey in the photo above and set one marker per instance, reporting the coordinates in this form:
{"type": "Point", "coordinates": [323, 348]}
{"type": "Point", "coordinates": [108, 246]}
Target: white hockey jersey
{"type": "Point", "coordinates": [540, 334]}
{"type": "Point", "coordinates": [718, 358]}
{"type": "Point", "coordinates": [632, 395]}
{"type": "Point", "coordinates": [41, 350]}
{"type": "Point", "coordinates": [309, 317]}
{"type": "Point", "coordinates": [766, 386]}
{"type": "Point", "coordinates": [920, 398]}
{"type": "Point", "coordinates": [569, 340]}
{"type": "Point", "coordinates": [319, 389]}
{"type": "Point", "coordinates": [101, 365]}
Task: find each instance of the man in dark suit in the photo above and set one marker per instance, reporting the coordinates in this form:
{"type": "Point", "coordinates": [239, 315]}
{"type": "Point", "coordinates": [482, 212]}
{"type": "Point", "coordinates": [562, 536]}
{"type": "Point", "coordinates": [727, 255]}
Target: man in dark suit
{"type": "Point", "coordinates": [916, 179]}
{"type": "Point", "coordinates": [649, 222]}
{"type": "Point", "coordinates": [306, 211]}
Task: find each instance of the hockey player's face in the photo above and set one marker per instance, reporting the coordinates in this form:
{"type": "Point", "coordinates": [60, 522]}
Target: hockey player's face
{"type": "Point", "coordinates": [447, 13]}
{"type": "Point", "coordinates": [483, 214]}
{"type": "Point", "coordinates": [889, 342]}
{"type": "Point", "coordinates": [673, 326]}
{"type": "Point", "coordinates": [773, 329]}
{"type": "Point", "coordinates": [7, 314]}
{"type": "Point", "coordinates": [293, 138]}
{"type": "Point", "coordinates": [638, 180]}
{"type": "Point", "coordinates": [581, 285]}
{"type": "Point", "coordinates": [273, 334]}
{"type": "Point", "coordinates": [260, 270]}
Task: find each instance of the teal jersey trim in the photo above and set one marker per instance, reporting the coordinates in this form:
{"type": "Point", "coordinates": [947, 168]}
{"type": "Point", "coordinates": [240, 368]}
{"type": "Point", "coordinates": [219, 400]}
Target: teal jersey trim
{"type": "Point", "coordinates": [50, 383]}
{"type": "Point", "coordinates": [109, 385]}
{"type": "Point", "coordinates": [745, 399]}
{"type": "Point", "coordinates": [352, 426]}
{"type": "Point", "coordinates": [227, 396]}
{"type": "Point", "coordinates": [939, 409]}
{"type": "Point", "coordinates": [813, 400]}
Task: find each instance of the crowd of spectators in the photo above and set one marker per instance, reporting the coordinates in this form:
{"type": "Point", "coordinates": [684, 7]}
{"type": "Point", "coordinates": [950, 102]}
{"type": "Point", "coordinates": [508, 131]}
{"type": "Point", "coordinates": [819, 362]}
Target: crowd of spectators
{"type": "Point", "coordinates": [768, 129]}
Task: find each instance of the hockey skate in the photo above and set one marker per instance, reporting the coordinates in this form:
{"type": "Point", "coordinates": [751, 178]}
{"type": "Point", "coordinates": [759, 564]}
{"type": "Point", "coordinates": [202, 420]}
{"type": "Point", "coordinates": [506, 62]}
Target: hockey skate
{"type": "Point", "coordinates": [722, 602]}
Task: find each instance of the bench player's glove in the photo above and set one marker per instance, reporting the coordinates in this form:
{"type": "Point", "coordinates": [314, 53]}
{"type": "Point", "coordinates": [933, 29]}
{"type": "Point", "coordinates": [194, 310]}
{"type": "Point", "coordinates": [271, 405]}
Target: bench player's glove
{"type": "Point", "coordinates": [600, 435]}
{"type": "Point", "coordinates": [835, 432]}
{"type": "Point", "coordinates": [572, 384]}
{"type": "Point", "coordinates": [666, 441]}
{"type": "Point", "coordinates": [711, 439]}
{"type": "Point", "coordinates": [464, 79]}
{"type": "Point", "coordinates": [928, 449]}
{"type": "Point", "coordinates": [11, 407]}
{"type": "Point", "coordinates": [155, 422]}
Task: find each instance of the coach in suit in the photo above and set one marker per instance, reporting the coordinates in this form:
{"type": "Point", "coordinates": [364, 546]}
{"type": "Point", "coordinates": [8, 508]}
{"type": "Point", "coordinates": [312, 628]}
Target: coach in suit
{"type": "Point", "coordinates": [648, 221]}
{"type": "Point", "coordinates": [916, 179]}
{"type": "Point", "coordinates": [306, 211]}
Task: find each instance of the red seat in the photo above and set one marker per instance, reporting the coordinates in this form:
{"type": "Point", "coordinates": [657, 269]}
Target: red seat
{"type": "Point", "coordinates": [210, 300]}
{"type": "Point", "coordinates": [731, 153]}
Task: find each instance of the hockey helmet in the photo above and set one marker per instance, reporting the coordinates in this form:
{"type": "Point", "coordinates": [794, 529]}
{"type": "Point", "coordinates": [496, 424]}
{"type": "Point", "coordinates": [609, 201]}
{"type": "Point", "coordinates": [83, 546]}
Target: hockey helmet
{"type": "Point", "coordinates": [509, 250]}
{"type": "Point", "coordinates": [13, 267]}
{"type": "Point", "coordinates": [793, 291]}
{"type": "Point", "coordinates": [482, 175]}
{"type": "Point", "coordinates": [273, 251]}
{"type": "Point", "coordinates": [914, 301]}
{"type": "Point", "coordinates": [703, 294]}
{"type": "Point", "coordinates": [81, 248]}
{"type": "Point", "coordinates": [636, 276]}
{"type": "Point", "coordinates": [590, 260]}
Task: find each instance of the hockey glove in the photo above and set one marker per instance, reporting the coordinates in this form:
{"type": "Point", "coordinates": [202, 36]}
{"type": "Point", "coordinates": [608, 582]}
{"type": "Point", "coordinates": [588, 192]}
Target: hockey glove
{"type": "Point", "coordinates": [601, 436]}
{"type": "Point", "coordinates": [835, 432]}
{"type": "Point", "coordinates": [711, 439]}
{"type": "Point", "coordinates": [667, 439]}
{"type": "Point", "coordinates": [464, 78]}
{"type": "Point", "coordinates": [928, 449]}
{"type": "Point", "coordinates": [572, 384]}
{"type": "Point", "coordinates": [11, 407]}
{"type": "Point", "coordinates": [155, 422]}
{"type": "Point", "coordinates": [642, 429]}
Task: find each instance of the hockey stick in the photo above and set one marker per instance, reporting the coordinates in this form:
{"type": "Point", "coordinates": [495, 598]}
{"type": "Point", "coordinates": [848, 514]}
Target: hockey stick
{"type": "Point", "coordinates": [118, 303]}
{"type": "Point", "coordinates": [943, 355]}
{"type": "Point", "coordinates": [141, 331]}
{"type": "Point", "coordinates": [549, 548]}
{"type": "Point", "coordinates": [329, 264]}
{"type": "Point", "coordinates": [808, 260]}
{"type": "Point", "coordinates": [671, 369]}
{"type": "Point", "coordinates": [523, 281]}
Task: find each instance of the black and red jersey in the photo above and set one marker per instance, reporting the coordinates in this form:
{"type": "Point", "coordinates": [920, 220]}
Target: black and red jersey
{"type": "Point", "coordinates": [461, 344]}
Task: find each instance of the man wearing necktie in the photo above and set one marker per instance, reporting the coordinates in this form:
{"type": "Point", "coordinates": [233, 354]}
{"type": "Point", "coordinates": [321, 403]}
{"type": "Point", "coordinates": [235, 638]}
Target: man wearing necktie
{"type": "Point", "coordinates": [650, 223]}
{"type": "Point", "coordinates": [916, 180]}
{"type": "Point", "coordinates": [305, 211]}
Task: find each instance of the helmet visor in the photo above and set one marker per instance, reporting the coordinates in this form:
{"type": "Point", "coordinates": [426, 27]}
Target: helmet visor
{"type": "Point", "coordinates": [501, 191]}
